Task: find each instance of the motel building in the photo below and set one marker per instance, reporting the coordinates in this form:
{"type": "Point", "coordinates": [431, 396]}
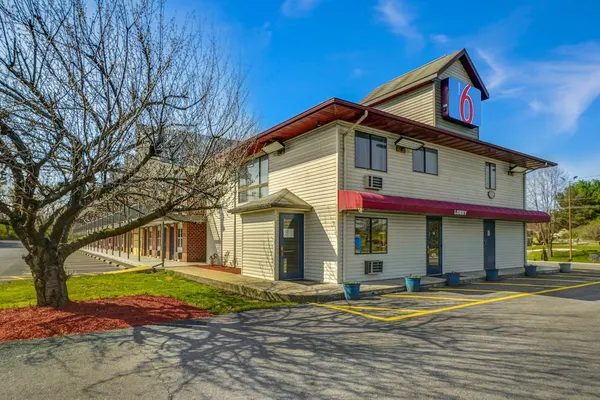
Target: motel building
{"type": "Point", "coordinates": [400, 183]}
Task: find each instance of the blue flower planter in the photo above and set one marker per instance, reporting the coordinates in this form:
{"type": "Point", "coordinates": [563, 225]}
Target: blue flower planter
{"type": "Point", "coordinates": [491, 274]}
{"type": "Point", "coordinates": [413, 284]}
{"type": "Point", "coordinates": [531, 270]}
{"type": "Point", "coordinates": [352, 291]}
{"type": "Point", "coordinates": [453, 279]}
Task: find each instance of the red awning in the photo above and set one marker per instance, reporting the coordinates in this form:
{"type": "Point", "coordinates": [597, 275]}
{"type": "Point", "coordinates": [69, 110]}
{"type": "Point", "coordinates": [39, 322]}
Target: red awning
{"type": "Point", "coordinates": [352, 200]}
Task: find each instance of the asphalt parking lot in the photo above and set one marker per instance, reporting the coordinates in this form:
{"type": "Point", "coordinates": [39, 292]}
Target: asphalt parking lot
{"type": "Point", "coordinates": [541, 345]}
{"type": "Point", "coordinates": [401, 306]}
{"type": "Point", "coordinates": [13, 268]}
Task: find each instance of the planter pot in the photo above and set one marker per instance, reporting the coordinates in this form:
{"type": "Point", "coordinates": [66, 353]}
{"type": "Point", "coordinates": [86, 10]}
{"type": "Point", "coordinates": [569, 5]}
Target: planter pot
{"type": "Point", "coordinates": [453, 279]}
{"type": "Point", "coordinates": [413, 284]}
{"type": "Point", "coordinates": [491, 274]}
{"type": "Point", "coordinates": [531, 270]}
{"type": "Point", "coordinates": [565, 267]}
{"type": "Point", "coordinates": [352, 291]}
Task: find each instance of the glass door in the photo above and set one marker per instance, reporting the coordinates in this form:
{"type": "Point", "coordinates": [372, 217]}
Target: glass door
{"type": "Point", "coordinates": [434, 246]}
{"type": "Point", "coordinates": [291, 246]}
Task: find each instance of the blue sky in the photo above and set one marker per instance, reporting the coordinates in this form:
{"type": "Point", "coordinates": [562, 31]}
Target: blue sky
{"type": "Point", "coordinates": [540, 60]}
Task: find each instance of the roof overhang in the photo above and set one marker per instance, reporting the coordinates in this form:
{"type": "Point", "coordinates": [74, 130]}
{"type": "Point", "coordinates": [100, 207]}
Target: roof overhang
{"type": "Point", "coordinates": [337, 109]}
{"type": "Point", "coordinates": [352, 200]}
{"type": "Point", "coordinates": [281, 200]}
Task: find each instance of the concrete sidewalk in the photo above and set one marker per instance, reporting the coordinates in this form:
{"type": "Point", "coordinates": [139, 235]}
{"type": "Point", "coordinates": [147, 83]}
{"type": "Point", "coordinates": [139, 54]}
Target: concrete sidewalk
{"type": "Point", "coordinates": [309, 291]}
{"type": "Point", "coordinates": [133, 260]}
{"type": "Point", "coordinates": [300, 291]}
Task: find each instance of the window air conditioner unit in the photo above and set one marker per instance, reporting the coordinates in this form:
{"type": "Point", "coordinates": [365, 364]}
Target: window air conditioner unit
{"type": "Point", "coordinates": [150, 247]}
{"type": "Point", "coordinates": [180, 249]}
{"type": "Point", "coordinates": [373, 182]}
{"type": "Point", "coordinates": [373, 267]}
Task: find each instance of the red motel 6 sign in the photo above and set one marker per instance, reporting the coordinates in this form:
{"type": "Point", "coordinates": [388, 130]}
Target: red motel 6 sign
{"type": "Point", "coordinates": [461, 102]}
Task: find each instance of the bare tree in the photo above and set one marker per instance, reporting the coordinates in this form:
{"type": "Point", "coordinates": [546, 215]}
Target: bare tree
{"type": "Point", "coordinates": [543, 186]}
{"type": "Point", "coordinates": [104, 106]}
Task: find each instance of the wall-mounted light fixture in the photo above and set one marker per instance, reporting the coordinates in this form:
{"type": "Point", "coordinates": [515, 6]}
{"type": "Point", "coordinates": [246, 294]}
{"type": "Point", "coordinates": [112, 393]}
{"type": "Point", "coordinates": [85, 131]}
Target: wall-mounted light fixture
{"type": "Point", "coordinates": [515, 168]}
{"type": "Point", "coordinates": [273, 147]}
{"type": "Point", "coordinates": [408, 143]}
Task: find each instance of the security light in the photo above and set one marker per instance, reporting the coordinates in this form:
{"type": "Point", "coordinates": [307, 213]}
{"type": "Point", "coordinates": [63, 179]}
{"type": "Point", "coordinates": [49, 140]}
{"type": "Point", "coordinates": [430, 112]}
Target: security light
{"type": "Point", "coordinates": [516, 168]}
{"type": "Point", "coordinates": [273, 147]}
{"type": "Point", "coordinates": [409, 143]}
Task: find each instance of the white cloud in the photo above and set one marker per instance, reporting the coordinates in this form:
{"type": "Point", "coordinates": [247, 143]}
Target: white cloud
{"type": "Point", "coordinates": [399, 18]}
{"type": "Point", "coordinates": [561, 87]}
{"type": "Point", "coordinates": [298, 8]}
{"type": "Point", "coordinates": [439, 38]}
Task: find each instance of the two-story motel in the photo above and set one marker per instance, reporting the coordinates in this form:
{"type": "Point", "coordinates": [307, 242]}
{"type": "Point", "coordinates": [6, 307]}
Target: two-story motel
{"type": "Point", "coordinates": [398, 184]}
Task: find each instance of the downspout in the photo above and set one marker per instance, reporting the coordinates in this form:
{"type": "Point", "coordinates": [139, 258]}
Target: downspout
{"type": "Point", "coordinates": [344, 250]}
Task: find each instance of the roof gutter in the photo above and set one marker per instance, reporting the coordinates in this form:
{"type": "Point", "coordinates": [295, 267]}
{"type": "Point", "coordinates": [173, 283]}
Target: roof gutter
{"type": "Point", "coordinates": [358, 122]}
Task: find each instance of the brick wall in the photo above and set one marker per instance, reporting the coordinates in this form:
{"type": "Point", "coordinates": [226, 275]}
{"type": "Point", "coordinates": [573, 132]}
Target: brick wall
{"type": "Point", "coordinates": [194, 242]}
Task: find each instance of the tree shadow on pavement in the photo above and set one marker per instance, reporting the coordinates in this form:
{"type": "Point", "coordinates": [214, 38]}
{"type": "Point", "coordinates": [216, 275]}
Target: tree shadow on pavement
{"type": "Point", "coordinates": [496, 351]}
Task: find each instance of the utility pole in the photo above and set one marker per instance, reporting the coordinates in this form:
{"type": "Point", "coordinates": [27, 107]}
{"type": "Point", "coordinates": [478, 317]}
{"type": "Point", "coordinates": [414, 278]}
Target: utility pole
{"type": "Point", "coordinates": [570, 221]}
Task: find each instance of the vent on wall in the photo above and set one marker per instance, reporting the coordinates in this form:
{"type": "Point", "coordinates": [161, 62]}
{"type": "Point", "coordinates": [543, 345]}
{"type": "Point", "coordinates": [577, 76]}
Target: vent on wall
{"type": "Point", "coordinates": [373, 267]}
{"type": "Point", "coordinates": [373, 182]}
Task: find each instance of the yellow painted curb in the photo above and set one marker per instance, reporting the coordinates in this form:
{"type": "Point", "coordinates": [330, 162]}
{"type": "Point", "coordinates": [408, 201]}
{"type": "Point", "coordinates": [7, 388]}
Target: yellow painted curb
{"type": "Point", "coordinates": [124, 271]}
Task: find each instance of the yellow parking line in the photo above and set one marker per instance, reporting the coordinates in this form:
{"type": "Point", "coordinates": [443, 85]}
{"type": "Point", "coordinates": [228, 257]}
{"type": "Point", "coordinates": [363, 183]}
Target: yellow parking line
{"type": "Point", "coordinates": [473, 290]}
{"type": "Point", "coordinates": [380, 308]}
{"type": "Point", "coordinates": [551, 279]}
{"type": "Point", "coordinates": [513, 284]}
{"type": "Point", "coordinates": [350, 311]}
{"type": "Point", "coordinates": [414, 296]}
{"type": "Point", "coordinates": [487, 301]}
{"type": "Point", "coordinates": [18, 277]}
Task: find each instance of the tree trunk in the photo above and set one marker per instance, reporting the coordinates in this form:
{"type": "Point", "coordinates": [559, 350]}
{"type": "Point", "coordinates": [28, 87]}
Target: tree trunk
{"type": "Point", "coordinates": [49, 277]}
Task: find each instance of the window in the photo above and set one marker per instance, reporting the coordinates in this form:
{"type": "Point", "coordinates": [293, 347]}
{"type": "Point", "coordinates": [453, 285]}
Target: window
{"type": "Point", "coordinates": [150, 239]}
{"type": "Point", "coordinates": [370, 151]}
{"type": "Point", "coordinates": [370, 235]}
{"type": "Point", "coordinates": [180, 238]}
{"type": "Point", "coordinates": [425, 160]}
{"type": "Point", "coordinates": [254, 180]}
{"type": "Point", "coordinates": [490, 176]}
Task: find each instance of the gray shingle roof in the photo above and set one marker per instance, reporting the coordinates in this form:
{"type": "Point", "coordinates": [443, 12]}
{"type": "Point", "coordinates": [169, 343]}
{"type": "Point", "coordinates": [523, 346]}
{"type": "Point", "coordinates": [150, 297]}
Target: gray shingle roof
{"type": "Point", "coordinates": [424, 73]}
{"type": "Point", "coordinates": [281, 199]}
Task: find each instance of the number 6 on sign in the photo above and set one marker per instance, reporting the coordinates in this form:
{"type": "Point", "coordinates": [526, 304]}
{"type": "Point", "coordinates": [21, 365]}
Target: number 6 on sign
{"type": "Point", "coordinates": [461, 102]}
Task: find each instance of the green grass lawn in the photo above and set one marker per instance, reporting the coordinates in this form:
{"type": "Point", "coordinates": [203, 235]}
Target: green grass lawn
{"type": "Point", "coordinates": [581, 253]}
{"type": "Point", "coordinates": [22, 293]}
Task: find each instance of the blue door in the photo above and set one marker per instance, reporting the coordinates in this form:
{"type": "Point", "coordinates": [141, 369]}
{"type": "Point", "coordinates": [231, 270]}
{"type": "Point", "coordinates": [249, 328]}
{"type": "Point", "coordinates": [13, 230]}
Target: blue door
{"type": "Point", "coordinates": [434, 246]}
{"type": "Point", "coordinates": [489, 244]}
{"type": "Point", "coordinates": [291, 246]}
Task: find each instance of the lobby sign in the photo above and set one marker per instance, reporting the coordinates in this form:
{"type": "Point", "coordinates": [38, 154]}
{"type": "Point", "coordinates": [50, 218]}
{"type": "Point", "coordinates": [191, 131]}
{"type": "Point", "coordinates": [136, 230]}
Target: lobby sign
{"type": "Point", "coordinates": [461, 102]}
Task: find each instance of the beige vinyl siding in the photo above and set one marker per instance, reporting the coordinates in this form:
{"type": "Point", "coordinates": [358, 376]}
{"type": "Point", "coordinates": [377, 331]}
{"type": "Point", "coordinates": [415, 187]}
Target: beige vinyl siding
{"type": "Point", "coordinates": [258, 246]}
{"type": "Point", "coordinates": [214, 229]}
{"type": "Point", "coordinates": [461, 176]}
{"type": "Point", "coordinates": [308, 168]}
{"type": "Point", "coordinates": [416, 105]}
{"type": "Point", "coordinates": [462, 244]}
{"type": "Point", "coordinates": [456, 70]}
{"type": "Point", "coordinates": [406, 248]}
{"type": "Point", "coordinates": [231, 232]}
{"type": "Point", "coordinates": [510, 244]}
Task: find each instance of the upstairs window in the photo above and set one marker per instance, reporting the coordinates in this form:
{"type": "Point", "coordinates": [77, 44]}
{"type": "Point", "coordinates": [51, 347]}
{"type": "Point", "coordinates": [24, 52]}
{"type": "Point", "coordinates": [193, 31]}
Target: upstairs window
{"type": "Point", "coordinates": [254, 180]}
{"type": "Point", "coordinates": [370, 151]}
{"type": "Point", "coordinates": [490, 176]}
{"type": "Point", "coordinates": [425, 160]}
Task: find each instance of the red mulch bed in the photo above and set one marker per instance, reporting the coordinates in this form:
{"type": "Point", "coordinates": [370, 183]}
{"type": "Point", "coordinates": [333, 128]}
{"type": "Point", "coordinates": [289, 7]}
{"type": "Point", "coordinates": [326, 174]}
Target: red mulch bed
{"type": "Point", "coordinates": [221, 268]}
{"type": "Point", "coordinates": [93, 316]}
